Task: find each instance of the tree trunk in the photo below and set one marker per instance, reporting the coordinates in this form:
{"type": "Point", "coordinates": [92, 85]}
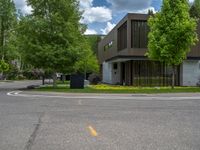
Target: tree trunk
{"type": "Point", "coordinates": [54, 80]}
{"type": "Point", "coordinates": [1, 75]}
{"type": "Point", "coordinates": [173, 76]}
{"type": "Point", "coordinates": [43, 80]}
{"type": "Point", "coordinates": [63, 78]}
{"type": "Point", "coordinates": [85, 74]}
{"type": "Point", "coordinates": [2, 39]}
{"type": "Point", "coordinates": [2, 44]}
{"type": "Point", "coordinates": [85, 71]}
{"type": "Point", "coordinates": [20, 59]}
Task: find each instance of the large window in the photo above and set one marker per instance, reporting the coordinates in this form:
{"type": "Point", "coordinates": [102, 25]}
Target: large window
{"type": "Point", "coordinates": [122, 37]}
{"type": "Point", "coordinates": [139, 34]}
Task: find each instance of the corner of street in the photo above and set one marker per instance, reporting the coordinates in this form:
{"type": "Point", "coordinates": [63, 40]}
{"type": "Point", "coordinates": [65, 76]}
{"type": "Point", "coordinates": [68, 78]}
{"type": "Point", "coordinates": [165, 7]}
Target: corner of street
{"type": "Point", "coordinates": [55, 121]}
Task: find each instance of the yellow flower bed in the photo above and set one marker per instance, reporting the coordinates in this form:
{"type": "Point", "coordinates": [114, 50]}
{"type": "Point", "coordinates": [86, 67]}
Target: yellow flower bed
{"type": "Point", "coordinates": [113, 87]}
{"type": "Point", "coordinates": [118, 87]}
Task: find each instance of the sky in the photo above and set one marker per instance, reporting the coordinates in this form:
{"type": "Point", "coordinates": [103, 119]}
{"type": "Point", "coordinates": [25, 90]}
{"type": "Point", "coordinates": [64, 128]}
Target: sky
{"type": "Point", "coordinates": [102, 15]}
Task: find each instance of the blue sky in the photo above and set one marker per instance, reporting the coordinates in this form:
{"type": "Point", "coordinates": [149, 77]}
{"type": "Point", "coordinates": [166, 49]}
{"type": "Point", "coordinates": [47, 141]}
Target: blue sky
{"type": "Point", "coordinates": [102, 15]}
{"type": "Point", "coordinates": [106, 14]}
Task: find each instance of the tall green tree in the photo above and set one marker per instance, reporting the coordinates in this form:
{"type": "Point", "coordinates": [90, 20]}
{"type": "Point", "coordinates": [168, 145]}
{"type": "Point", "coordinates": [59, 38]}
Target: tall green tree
{"type": "Point", "coordinates": [150, 12]}
{"type": "Point", "coordinates": [88, 63]}
{"type": "Point", "coordinates": [195, 9]}
{"type": "Point", "coordinates": [7, 25]}
{"type": "Point", "coordinates": [93, 41]}
{"type": "Point", "coordinates": [172, 33]}
{"type": "Point", "coordinates": [3, 66]}
{"type": "Point", "coordinates": [52, 35]}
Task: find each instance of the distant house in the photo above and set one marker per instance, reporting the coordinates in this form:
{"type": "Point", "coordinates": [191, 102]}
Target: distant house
{"type": "Point", "coordinates": [122, 57]}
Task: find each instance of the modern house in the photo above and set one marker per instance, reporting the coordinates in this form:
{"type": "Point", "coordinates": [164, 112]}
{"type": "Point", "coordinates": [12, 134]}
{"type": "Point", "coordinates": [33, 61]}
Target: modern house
{"type": "Point", "coordinates": [122, 57]}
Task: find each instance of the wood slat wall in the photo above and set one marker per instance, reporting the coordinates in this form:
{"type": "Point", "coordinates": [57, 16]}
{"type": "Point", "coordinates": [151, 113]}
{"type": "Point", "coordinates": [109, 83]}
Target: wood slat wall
{"type": "Point", "coordinates": [139, 34]}
{"type": "Point", "coordinates": [122, 37]}
{"type": "Point", "coordinates": [149, 73]}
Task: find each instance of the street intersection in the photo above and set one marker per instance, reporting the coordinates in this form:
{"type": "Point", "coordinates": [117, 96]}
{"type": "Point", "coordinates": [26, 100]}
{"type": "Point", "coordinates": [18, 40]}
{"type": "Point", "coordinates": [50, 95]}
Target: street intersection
{"type": "Point", "coordinates": [60, 121]}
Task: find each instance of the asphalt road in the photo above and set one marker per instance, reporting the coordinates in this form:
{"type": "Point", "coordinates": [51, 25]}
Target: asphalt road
{"type": "Point", "coordinates": [40, 121]}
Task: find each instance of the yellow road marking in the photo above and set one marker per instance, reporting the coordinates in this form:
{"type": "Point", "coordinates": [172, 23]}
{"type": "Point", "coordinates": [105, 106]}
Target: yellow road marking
{"type": "Point", "coordinates": [93, 132]}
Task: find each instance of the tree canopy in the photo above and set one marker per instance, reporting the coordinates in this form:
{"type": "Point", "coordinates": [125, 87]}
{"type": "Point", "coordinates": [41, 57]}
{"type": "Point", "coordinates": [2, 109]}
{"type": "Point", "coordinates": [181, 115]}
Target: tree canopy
{"type": "Point", "coordinates": [195, 9]}
{"type": "Point", "coordinates": [3, 66]}
{"type": "Point", "coordinates": [8, 21]}
{"type": "Point", "coordinates": [52, 36]}
{"type": "Point", "coordinates": [172, 33]}
{"type": "Point", "coordinates": [93, 41]}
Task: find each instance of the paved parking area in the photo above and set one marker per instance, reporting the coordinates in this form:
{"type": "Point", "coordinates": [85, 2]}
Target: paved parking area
{"type": "Point", "coordinates": [40, 121]}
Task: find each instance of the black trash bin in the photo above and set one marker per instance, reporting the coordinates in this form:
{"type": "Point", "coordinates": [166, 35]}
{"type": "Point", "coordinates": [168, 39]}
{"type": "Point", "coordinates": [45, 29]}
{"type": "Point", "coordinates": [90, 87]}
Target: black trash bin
{"type": "Point", "coordinates": [77, 81]}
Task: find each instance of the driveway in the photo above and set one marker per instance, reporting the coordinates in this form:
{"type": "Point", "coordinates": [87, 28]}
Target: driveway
{"type": "Point", "coordinates": [51, 121]}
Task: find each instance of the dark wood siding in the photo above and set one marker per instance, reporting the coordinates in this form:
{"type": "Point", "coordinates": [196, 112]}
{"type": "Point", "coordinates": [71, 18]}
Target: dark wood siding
{"type": "Point", "coordinates": [151, 73]}
{"type": "Point", "coordinates": [139, 34]}
{"type": "Point", "coordinates": [127, 49]}
{"type": "Point", "coordinates": [122, 37]}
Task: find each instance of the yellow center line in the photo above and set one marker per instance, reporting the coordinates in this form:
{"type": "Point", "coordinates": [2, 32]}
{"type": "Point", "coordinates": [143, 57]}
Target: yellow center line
{"type": "Point", "coordinates": [93, 132]}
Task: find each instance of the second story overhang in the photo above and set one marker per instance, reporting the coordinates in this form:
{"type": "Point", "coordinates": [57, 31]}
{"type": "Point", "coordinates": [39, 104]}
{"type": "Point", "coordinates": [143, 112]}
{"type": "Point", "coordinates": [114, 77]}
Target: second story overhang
{"type": "Point", "coordinates": [129, 39]}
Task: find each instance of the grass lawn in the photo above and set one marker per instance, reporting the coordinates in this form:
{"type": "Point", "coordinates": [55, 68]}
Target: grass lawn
{"type": "Point", "coordinates": [120, 89]}
{"type": "Point", "coordinates": [61, 82]}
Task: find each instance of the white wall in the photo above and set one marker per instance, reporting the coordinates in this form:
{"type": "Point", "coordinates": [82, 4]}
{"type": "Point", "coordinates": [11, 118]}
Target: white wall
{"type": "Point", "coordinates": [116, 74]}
{"type": "Point", "coordinates": [111, 75]}
{"type": "Point", "coordinates": [107, 73]}
{"type": "Point", "coordinates": [191, 72]}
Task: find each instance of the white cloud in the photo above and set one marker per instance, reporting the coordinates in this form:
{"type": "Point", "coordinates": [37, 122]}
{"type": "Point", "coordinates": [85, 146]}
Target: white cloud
{"type": "Point", "coordinates": [22, 5]}
{"type": "Point", "coordinates": [85, 4]}
{"type": "Point", "coordinates": [108, 28]}
{"type": "Point", "coordinates": [131, 5]}
{"type": "Point", "coordinates": [94, 14]}
{"type": "Point", "coordinates": [90, 31]}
